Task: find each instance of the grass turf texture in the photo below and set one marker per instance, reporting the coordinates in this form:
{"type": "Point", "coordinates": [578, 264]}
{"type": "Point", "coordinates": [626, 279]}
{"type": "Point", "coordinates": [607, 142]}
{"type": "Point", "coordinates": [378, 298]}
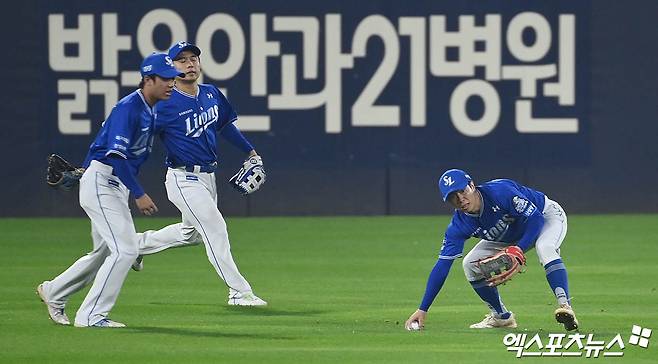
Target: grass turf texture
{"type": "Point", "coordinates": [339, 291]}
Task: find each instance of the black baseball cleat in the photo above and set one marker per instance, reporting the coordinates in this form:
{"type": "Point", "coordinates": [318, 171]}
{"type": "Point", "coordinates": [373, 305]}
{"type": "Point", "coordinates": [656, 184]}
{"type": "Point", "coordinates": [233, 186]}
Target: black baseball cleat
{"type": "Point", "coordinates": [138, 264]}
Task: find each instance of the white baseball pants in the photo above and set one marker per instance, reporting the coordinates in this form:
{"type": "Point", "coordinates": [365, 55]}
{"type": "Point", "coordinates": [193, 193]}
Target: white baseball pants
{"type": "Point", "coordinates": [105, 200]}
{"type": "Point", "coordinates": [547, 244]}
{"type": "Point", "coordinates": [195, 195]}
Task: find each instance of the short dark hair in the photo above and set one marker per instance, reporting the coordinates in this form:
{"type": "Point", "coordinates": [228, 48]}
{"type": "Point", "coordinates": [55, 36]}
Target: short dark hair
{"type": "Point", "coordinates": [142, 82]}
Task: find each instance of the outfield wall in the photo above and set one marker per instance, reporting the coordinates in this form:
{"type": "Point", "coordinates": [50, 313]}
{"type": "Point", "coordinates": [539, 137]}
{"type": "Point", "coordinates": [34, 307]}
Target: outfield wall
{"type": "Point", "coordinates": [356, 107]}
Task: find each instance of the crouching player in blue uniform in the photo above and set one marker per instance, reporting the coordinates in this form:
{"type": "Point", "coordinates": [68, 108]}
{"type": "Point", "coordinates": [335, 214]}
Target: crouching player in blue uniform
{"type": "Point", "coordinates": [505, 215]}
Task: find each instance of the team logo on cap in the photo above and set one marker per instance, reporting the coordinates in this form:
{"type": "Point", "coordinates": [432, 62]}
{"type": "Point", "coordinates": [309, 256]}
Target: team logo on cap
{"type": "Point", "coordinates": [447, 180]}
{"type": "Point", "coordinates": [182, 44]}
{"type": "Point", "coordinates": [147, 68]}
{"type": "Point", "coordinates": [168, 61]}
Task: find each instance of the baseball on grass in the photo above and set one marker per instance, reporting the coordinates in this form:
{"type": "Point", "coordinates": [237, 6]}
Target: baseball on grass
{"type": "Point", "coordinates": [414, 326]}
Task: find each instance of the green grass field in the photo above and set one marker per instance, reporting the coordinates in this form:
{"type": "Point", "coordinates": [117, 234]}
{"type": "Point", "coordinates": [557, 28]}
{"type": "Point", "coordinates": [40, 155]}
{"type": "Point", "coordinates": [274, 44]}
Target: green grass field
{"type": "Point", "coordinates": [339, 291]}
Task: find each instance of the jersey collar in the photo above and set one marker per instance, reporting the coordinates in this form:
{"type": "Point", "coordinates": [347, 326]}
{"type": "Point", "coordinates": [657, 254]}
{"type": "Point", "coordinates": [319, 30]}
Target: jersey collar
{"type": "Point", "coordinates": [141, 96]}
{"type": "Point", "coordinates": [186, 94]}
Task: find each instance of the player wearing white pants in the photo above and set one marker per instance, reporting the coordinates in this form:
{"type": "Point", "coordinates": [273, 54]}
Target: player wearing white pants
{"type": "Point", "coordinates": [202, 222]}
{"type": "Point", "coordinates": [189, 124]}
{"type": "Point", "coordinates": [105, 200]}
{"type": "Point", "coordinates": [547, 245]}
{"type": "Point", "coordinates": [506, 216]}
{"type": "Point", "coordinates": [121, 146]}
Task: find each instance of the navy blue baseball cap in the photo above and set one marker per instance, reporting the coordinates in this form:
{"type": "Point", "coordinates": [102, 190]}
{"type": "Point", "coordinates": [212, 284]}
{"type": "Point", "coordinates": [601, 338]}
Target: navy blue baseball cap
{"type": "Point", "coordinates": [175, 50]}
{"type": "Point", "coordinates": [453, 180]}
{"type": "Point", "coordinates": [159, 64]}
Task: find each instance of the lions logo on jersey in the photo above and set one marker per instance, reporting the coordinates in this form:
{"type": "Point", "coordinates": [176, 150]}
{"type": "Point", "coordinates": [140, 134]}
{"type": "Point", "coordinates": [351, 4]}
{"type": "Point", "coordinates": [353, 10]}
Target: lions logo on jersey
{"type": "Point", "coordinates": [496, 232]}
{"type": "Point", "coordinates": [200, 122]}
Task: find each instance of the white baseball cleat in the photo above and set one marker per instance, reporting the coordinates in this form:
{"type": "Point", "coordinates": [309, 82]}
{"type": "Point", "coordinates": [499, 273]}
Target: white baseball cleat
{"type": "Point", "coordinates": [490, 322]}
{"type": "Point", "coordinates": [104, 323]}
{"type": "Point", "coordinates": [565, 315]}
{"type": "Point", "coordinates": [56, 314]}
{"type": "Point", "coordinates": [138, 264]}
{"type": "Point", "coordinates": [245, 299]}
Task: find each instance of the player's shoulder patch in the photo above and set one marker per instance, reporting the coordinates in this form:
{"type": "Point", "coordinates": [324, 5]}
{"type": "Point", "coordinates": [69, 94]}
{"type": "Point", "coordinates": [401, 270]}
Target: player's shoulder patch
{"type": "Point", "coordinates": [523, 206]}
{"type": "Point", "coordinates": [519, 203]}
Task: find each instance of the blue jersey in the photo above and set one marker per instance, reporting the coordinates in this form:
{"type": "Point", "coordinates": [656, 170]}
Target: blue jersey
{"type": "Point", "coordinates": [506, 209]}
{"type": "Point", "coordinates": [188, 125]}
{"type": "Point", "coordinates": [127, 133]}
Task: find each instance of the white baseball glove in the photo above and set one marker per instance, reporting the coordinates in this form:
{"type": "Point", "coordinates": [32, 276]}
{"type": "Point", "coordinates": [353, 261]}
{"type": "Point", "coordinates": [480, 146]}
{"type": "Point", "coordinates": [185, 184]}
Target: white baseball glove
{"type": "Point", "coordinates": [250, 177]}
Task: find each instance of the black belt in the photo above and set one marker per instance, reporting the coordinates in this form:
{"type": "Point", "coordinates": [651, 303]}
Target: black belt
{"type": "Point", "coordinates": [209, 168]}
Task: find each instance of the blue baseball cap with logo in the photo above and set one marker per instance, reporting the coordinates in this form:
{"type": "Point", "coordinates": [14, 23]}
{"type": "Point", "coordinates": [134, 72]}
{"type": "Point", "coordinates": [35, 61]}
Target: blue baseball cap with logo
{"type": "Point", "coordinates": [453, 180]}
{"type": "Point", "coordinates": [159, 64]}
{"type": "Point", "coordinates": [179, 47]}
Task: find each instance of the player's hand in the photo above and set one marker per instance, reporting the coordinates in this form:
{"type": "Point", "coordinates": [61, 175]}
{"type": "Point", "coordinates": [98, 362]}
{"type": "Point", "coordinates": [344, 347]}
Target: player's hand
{"type": "Point", "coordinates": [517, 253]}
{"type": "Point", "coordinates": [146, 205]}
{"type": "Point", "coordinates": [419, 316]}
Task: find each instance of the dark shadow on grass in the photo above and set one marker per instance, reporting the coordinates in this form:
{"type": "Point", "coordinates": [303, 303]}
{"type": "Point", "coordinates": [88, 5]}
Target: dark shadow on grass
{"type": "Point", "coordinates": [269, 311]}
{"type": "Point", "coordinates": [183, 304]}
{"type": "Point", "coordinates": [197, 333]}
{"type": "Point", "coordinates": [255, 311]}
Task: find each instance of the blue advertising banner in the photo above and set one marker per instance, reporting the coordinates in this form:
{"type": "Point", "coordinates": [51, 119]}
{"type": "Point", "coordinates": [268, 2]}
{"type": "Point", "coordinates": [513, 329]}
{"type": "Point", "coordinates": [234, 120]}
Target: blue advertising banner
{"type": "Point", "coordinates": [355, 107]}
{"type": "Point", "coordinates": [452, 81]}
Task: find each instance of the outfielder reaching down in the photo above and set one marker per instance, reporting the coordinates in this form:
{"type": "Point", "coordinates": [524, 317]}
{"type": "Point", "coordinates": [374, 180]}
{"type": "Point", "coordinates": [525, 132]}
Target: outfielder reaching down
{"type": "Point", "coordinates": [510, 219]}
{"type": "Point", "coordinates": [188, 125]}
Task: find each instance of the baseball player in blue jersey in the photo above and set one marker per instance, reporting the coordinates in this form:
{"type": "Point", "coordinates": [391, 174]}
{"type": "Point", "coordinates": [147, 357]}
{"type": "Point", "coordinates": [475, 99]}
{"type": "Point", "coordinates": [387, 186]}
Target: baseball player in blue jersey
{"type": "Point", "coordinates": [188, 125]}
{"type": "Point", "coordinates": [112, 164]}
{"type": "Point", "coordinates": [508, 217]}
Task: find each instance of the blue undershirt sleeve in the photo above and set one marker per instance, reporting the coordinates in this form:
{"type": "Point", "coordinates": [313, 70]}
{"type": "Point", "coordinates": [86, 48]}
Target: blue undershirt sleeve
{"type": "Point", "coordinates": [534, 225]}
{"type": "Point", "coordinates": [435, 282]}
{"type": "Point", "coordinates": [231, 133]}
{"type": "Point", "coordinates": [122, 170]}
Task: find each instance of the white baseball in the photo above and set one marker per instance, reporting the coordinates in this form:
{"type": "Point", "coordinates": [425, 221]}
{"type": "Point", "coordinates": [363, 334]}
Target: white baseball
{"type": "Point", "coordinates": [414, 326]}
